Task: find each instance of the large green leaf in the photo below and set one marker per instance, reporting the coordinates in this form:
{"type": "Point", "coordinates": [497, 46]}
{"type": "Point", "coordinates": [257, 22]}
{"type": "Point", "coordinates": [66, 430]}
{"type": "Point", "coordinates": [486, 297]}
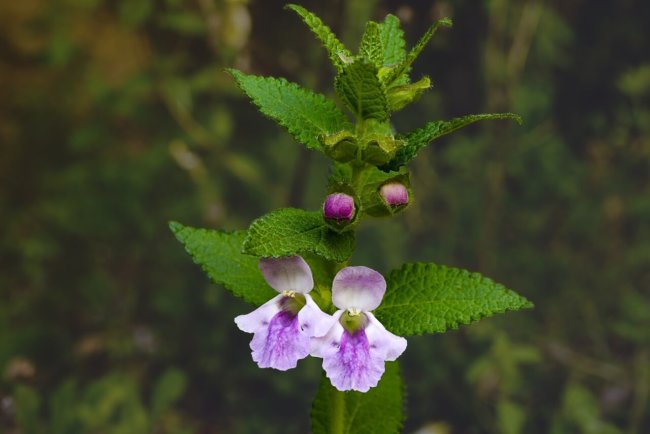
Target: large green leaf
{"type": "Point", "coordinates": [361, 90]}
{"type": "Point", "coordinates": [378, 411]}
{"type": "Point", "coordinates": [392, 40]}
{"type": "Point", "coordinates": [220, 255]}
{"type": "Point", "coordinates": [421, 137]}
{"type": "Point", "coordinates": [306, 114]}
{"type": "Point", "coordinates": [403, 66]}
{"type": "Point", "coordinates": [292, 231]}
{"type": "Point", "coordinates": [335, 49]}
{"type": "Point", "coordinates": [429, 298]}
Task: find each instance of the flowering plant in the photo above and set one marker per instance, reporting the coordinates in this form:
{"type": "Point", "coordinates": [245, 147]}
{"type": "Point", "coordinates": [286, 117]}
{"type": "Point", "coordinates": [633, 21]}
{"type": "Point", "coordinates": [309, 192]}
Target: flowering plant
{"type": "Point", "coordinates": [294, 264]}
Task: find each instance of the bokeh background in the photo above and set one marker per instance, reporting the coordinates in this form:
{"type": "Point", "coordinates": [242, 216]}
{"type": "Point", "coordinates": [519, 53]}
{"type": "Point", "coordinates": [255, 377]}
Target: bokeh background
{"type": "Point", "coordinates": [116, 116]}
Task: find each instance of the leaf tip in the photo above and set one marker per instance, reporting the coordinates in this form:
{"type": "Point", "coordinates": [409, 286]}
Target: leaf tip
{"type": "Point", "coordinates": [234, 73]}
{"type": "Point", "coordinates": [294, 7]}
{"type": "Point", "coordinates": [446, 21]}
{"type": "Point", "coordinates": [175, 226]}
{"type": "Point", "coordinates": [518, 119]}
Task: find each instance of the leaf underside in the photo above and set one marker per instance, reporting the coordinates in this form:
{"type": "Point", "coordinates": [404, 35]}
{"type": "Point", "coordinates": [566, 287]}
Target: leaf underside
{"type": "Point", "coordinates": [378, 411]}
{"type": "Point", "coordinates": [219, 255]}
{"type": "Point", "coordinates": [371, 48]}
{"type": "Point", "coordinates": [292, 231]}
{"type": "Point", "coordinates": [429, 298]}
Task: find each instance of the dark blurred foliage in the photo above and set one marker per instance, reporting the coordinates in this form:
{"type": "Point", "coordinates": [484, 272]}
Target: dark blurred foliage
{"type": "Point", "coordinates": [116, 117]}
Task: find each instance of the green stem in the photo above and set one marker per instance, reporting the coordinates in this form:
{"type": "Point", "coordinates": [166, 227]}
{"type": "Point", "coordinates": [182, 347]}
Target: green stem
{"type": "Point", "coordinates": [338, 412]}
{"type": "Point", "coordinates": [356, 173]}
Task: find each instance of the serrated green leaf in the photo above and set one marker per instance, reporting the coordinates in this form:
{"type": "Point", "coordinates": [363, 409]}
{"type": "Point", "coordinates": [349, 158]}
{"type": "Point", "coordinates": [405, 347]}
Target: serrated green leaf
{"type": "Point", "coordinates": [423, 136]}
{"type": "Point", "coordinates": [378, 411]}
{"type": "Point", "coordinates": [336, 51]}
{"type": "Point", "coordinates": [392, 40]}
{"type": "Point", "coordinates": [429, 298]}
{"type": "Point", "coordinates": [220, 255]}
{"type": "Point", "coordinates": [371, 48]}
{"type": "Point", "coordinates": [292, 231]}
{"type": "Point", "coordinates": [304, 113]}
{"type": "Point", "coordinates": [403, 66]}
{"type": "Point", "coordinates": [361, 90]}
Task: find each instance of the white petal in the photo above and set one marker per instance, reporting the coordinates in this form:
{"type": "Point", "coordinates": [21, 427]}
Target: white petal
{"type": "Point", "coordinates": [313, 321]}
{"type": "Point", "coordinates": [328, 345]}
{"type": "Point", "coordinates": [359, 288]}
{"type": "Point", "coordinates": [290, 273]}
{"type": "Point", "coordinates": [382, 342]}
{"type": "Point", "coordinates": [260, 317]}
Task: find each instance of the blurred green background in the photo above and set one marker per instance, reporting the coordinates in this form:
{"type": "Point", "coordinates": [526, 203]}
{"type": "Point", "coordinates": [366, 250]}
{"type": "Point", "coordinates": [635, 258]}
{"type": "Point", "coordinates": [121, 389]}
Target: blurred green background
{"type": "Point", "coordinates": [116, 117]}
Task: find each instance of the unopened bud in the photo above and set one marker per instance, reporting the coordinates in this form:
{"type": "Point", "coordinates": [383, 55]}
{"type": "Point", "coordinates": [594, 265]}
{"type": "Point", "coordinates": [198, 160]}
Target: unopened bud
{"type": "Point", "coordinates": [394, 194]}
{"type": "Point", "coordinates": [339, 206]}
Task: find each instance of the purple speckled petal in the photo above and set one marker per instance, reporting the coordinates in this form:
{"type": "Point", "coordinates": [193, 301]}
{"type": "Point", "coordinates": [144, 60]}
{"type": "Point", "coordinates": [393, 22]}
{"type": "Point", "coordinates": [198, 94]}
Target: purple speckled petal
{"type": "Point", "coordinates": [290, 273]}
{"type": "Point", "coordinates": [383, 343]}
{"type": "Point", "coordinates": [394, 193]}
{"type": "Point", "coordinates": [328, 344]}
{"type": "Point", "coordinates": [313, 321]}
{"type": "Point", "coordinates": [338, 206]}
{"type": "Point", "coordinates": [260, 317]}
{"type": "Point", "coordinates": [354, 366]}
{"type": "Point", "coordinates": [281, 344]}
{"type": "Point", "coordinates": [358, 288]}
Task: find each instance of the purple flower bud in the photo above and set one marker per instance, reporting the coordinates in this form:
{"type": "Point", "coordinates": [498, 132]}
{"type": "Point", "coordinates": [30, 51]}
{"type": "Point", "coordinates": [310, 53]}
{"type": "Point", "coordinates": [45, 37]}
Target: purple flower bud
{"type": "Point", "coordinates": [395, 194]}
{"type": "Point", "coordinates": [339, 206]}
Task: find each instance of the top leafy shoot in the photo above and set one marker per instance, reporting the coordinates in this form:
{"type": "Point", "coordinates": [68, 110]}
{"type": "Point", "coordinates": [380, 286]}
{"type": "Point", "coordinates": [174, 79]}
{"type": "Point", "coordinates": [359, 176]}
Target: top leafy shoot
{"type": "Point", "coordinates": [371, 84]}
{"type": "Point", "coordinates": [293, 264]}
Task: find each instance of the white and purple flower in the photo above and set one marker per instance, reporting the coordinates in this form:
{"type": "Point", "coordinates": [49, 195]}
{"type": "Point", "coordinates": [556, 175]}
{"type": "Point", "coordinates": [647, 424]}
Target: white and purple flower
{"type": "Point", "coordinates": [355, 348]}
{"type": "Point", "coordinates": [283, 326]}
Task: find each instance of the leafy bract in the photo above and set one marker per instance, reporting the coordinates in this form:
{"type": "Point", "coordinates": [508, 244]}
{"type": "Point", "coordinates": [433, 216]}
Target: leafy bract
{"type": "Point", "coordinates": [304, 113]}
{"type": "Point", "coordinates": [429, 298]}
{"type": "Point", "coordinates": [423, 136]}
{"type": "Point", "coordinates": [401, 95]}
{"type": "Point", "coordinates": [361, 90]}
{"type": "Point", "coordinates": [372, 179]}
{"type": "Point", "coordinates": [392, 40]}
{"type": "Point", "coordinates": [292, 231]}
{"type": "Point", "coordinates": [378, 411]}
{"type": "Point", "coordinates": [335, 49]}
{"type": "Point", "coordinates": [403, 66]}
{"type": "Point", "coordinates": [219, 254]}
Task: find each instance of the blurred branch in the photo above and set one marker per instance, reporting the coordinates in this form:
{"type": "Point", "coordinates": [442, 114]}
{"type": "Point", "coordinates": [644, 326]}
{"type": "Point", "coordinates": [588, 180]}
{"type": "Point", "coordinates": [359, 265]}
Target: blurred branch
{"type": "Point", "coordinates": [523, 38]}
{"type": "Point", "coordinates": [641, 390]}
{"type": "Point", "coordinates": [584, 364]}
{"type": "Point", "coordinates": [301, 170]}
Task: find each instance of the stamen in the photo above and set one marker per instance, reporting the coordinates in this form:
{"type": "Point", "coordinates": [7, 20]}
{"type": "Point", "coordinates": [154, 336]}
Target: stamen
{"type": "Point", "coordinates": [353, 311]}
{"type": "Point", "coordinates": [291, 294]}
